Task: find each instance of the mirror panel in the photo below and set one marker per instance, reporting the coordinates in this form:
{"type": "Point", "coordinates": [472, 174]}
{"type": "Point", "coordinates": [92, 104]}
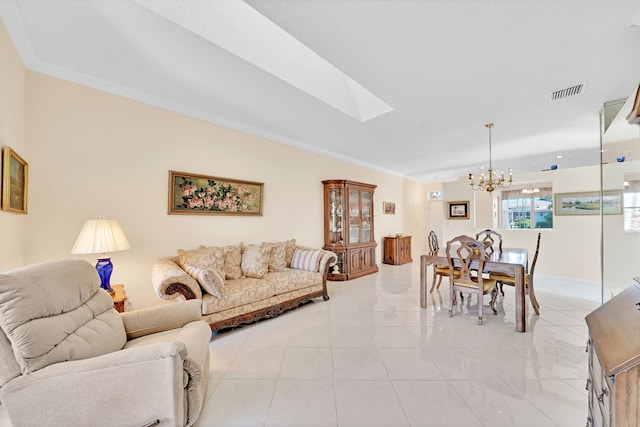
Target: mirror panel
{"type": "Point", "coordinates": [620, 170]}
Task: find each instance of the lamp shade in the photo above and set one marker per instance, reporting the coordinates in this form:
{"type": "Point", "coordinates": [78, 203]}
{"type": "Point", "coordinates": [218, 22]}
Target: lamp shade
{"type": "Point", "coordinates": [100, 236]}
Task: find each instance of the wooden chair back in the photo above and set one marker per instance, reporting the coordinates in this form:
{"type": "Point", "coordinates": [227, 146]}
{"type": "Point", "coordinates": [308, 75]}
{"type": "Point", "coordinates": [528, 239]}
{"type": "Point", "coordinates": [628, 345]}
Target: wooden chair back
{"type": "Point", "coordinates": [466, 251]}
{"type": "Point", "coordinates": [501, 278]}
{"type": "Point", "coordinates": [535, 257]}
{"type": "Point", "coordinates": [469, 255]}
{"type": "Point", "coordinates": [439, 270]}
{"type": "Point", "coordinates": [432, 239]}
{"type": "Point", "coordinates": [492, 240]}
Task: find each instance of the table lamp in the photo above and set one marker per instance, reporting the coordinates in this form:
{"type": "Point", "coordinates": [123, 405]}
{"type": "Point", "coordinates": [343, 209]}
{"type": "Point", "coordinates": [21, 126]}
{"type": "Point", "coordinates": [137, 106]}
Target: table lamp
{"type": "Point", "coordinates": [101, 236]}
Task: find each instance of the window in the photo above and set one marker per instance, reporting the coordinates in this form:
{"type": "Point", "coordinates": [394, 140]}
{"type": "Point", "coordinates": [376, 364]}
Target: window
{"type": "Point", "coordinates": [527, 208]}
{"type": "Point", "coordinates": [631, 203]}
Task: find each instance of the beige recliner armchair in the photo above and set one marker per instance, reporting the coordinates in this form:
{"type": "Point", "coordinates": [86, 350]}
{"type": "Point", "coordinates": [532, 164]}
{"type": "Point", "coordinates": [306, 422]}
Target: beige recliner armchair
{"type": "Point", "coordinates": [67, 358]}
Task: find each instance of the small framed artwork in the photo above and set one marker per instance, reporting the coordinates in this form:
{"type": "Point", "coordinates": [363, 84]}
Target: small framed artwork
{"type": "Point", "coordinates": [15, 175]}
{"type": "Point", "coordinates": [193, 194]}
{"type": "Point", "coordinates": [435, 195]}
{"type": "Point", "coordinates": [389, 208]}
{"type": "Point", "coordinates": [458, 210]}
{"type": "Point", "coordinates": [588, 203]}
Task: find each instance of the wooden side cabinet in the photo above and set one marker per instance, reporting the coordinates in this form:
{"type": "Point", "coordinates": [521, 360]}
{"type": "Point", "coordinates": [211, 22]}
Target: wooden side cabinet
{"type": "Point", "coordinates": [614, 361]}
{"type": "Point", "coordinates": [348, 228]}
{"type": "Point", "coordinates": [397, 250]}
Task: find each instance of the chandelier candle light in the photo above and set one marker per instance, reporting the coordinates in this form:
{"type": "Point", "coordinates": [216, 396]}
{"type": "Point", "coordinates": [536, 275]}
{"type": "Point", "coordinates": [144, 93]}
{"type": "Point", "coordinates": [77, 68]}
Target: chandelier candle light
{"type": "Point", "coordinates": [101, 236]}
{"type": "Point", "coordinates": [494, 180]}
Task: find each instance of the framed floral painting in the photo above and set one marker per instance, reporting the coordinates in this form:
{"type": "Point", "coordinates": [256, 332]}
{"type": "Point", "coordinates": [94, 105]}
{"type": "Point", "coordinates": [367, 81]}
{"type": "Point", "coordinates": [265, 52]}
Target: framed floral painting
{"type": "Point", "coordinates": [15, 174]}
{"type": "Point", "coordinates": [193, 194]}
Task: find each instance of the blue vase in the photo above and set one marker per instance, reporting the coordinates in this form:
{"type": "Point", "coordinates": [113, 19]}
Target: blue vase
{"type": "Point", "coordinates": [105, 268]}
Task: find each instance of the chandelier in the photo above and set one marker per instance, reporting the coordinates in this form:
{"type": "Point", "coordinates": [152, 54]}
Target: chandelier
{"type": "Point", "coordinates": [493, 179]}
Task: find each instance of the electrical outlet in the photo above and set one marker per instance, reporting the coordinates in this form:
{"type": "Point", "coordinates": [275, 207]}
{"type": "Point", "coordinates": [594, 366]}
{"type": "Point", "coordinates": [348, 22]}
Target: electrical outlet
{"type": "Point", "coordinates": [128, 305]}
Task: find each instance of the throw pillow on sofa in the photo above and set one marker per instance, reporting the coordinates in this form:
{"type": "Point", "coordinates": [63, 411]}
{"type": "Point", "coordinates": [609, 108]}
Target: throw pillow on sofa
{"type": "Point", "coordinates": [255, 260]}
{"type": "Point", "coordinates": [211, 257]}
{"type": "Point", "coordinates": [233, 261]}
{"type": "Point", "coordinates": [210, 279]}
{"type": "Point", "coordinates": [206, 265]}
{"type": "Point", "coordinates": [290, 247]}
{"type": "Point", "coordinates": [306, 259]}
{"type": "Point", "coordinates": [218, 256]}
{"type": "Point", "coordinates": [278, 257]}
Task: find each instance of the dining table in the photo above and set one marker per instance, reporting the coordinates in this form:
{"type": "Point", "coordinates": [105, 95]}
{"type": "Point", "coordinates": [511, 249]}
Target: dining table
{"type": "Point", "coordinates": [510, 261]}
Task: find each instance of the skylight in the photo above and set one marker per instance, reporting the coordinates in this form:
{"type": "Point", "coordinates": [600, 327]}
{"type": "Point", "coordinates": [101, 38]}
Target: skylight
{"type": "Point", "coordinates": [237, 27]}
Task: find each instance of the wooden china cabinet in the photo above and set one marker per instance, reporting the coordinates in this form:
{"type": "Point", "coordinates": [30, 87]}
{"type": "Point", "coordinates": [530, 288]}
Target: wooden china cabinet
{"type": "Point", "coordinates": [348, 228]}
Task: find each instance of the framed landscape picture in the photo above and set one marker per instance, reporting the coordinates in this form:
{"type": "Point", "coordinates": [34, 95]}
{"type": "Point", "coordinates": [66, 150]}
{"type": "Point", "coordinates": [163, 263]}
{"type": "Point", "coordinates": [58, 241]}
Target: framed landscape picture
{"type": "Point", "coordinates": [194, 194]}
{"type": "Point", "coordinates": [458, 210]}
{"type": "Point", "coordinates": [15, 174]}
{"type": "Point", "coordinates": [588, 203]}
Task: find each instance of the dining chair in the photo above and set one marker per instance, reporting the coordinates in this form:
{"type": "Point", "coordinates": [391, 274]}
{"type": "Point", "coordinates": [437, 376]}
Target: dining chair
{"type": "Point", "coordinates": [439, 271]}
{"type": "Point", "coordinates": [469, 255]}
{"type": "Point", "coordinates": [491, 239]}
{"type": "Point", "coordinates": [502, 279]}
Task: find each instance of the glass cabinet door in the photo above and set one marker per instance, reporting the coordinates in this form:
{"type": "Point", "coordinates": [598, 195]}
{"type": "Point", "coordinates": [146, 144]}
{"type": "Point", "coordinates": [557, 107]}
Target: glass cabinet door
{"type": "Point", "coordinates": [335, 216]}
{"type": "Point", "coordinates": [366, 216]}
{"type": "Point", "coordinates": [354, 216]}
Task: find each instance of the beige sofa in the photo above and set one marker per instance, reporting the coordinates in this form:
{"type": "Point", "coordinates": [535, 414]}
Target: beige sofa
{"type": "Point", "coordinates": [244, 283]}
{"type": "Point", "coordinates": [68, 358]}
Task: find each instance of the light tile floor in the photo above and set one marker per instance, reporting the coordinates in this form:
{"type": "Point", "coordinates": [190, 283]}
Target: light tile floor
{"type": "Point", "coordinates": [372, 357]}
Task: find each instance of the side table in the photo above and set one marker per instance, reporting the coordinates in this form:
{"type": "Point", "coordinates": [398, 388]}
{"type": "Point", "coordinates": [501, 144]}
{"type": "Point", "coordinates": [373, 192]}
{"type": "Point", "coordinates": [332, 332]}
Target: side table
{"type": "Point", "coordinates": [397, 250]}
{"type": "Point", "coordinates": [119, 297]}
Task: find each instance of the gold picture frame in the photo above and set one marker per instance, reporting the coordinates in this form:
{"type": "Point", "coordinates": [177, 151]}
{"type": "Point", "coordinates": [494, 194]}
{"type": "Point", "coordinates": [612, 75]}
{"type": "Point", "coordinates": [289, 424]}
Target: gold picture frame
{"type": "Point", "coordinates": [195, 194]}
{"type": "Point", "coordinates": [389, 208]}
{"type": "Point", "coordinates": [458, 210]}
{"type": "Point", "coordinates": [15, 177]}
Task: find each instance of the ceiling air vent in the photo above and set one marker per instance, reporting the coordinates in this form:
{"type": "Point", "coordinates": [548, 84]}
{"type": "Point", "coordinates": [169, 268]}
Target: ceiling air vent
{"type": "Point", "coordinates": [567, 92]}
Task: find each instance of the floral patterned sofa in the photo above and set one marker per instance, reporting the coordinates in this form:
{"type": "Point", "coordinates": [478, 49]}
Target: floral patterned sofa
{"type": "Point", "coordinates": [244, 283]}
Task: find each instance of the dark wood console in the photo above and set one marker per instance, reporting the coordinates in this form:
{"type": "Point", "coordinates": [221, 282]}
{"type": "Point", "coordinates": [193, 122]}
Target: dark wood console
{"type": "Point", "coordinates": [397, 250]}
{"type": "Point", "coordinates": [614, 361]}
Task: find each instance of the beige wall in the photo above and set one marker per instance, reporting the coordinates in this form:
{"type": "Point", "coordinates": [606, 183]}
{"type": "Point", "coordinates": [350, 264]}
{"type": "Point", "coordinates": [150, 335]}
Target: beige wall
{"type": "Point", "coordinates": [12, 119]}
{"type": "Point", "coordinates": [92, 153]}
{"type": "Point", "coordinates": [571, 249]}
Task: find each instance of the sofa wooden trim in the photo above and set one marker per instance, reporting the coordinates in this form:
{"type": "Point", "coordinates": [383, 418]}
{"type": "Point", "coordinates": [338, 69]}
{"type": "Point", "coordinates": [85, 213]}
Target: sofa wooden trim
{"type": "Point", "coordinates": [177, 289]}
{"type": "Point", "coordinates": [264, 313]}
{"type": "Point", "coordinates": [182, 289]}
{"type": "Point", "coordinates": [268, 312]}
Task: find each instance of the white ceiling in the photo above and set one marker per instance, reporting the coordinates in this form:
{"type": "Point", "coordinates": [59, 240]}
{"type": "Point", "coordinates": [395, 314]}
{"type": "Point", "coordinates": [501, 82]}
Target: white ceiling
{"type": "Point", "coordinates": [444, 67]}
